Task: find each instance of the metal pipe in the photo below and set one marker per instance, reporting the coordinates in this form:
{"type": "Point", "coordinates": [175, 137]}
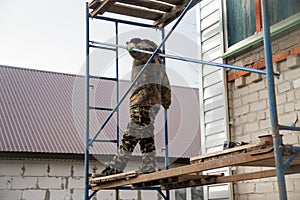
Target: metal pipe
{"type": "Point", "coordinates": [142, 70]}
{"type": "Point", "coordinates": [166, 137]}
{"type": "Point", "coordinates": [289, 128]}
{"type": "Point", "coordinates": [288, 161]}
{"type": "Point", "coordinates": [117, 89]}
{"type": "Point", "coordinates": [130, 188]}
{"type": "Point", "coordinates": [113, 141]}
{"type": "Point", "coordinates": [99, 108]}
{"type": "Point", "coordinates": [103, 78]}
{"type": "Point", "coordinates": [162, 194]}
{"type": "Point", "coordinates": [272, 103]}
{"type": "Point", "coordinates": [117, 95]}
{"type": "Point", "coordinates": [192, 60]}
{"type": "Point", "coordinates": [93, 193]}
{"type": "Point", "coordinates": [296, 150]}
{"type": "Point", "coordinates": [166, 132]}
{"type": "Point", "coordinates": [87, 102]}
{"type": "Point", "coordinates": [105, 48]}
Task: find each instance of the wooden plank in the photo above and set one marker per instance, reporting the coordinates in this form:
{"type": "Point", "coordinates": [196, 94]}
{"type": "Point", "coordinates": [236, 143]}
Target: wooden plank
{"type": "Point", "coordinates": [94, 4]}
{"type": "Point", "coordinates": [243, 148]}
{"type": "Point", "coordinates": [174, 2]}
{"type": "Point", "coordinates": [193, 168]}
{"type": "Point", "coordinates": [190, 180]}
{"type": "Point", "coordinates": [155, 182]}
{"type": "Point", "coordinates": [256, 175]}
{"type": "Point", "coordinates": [134, 12]}
{"type": "Point", "coordinates": [190, 183]}
{"type": "Point", "coordinates": [233, 178]}
{"type": "Point", "coordinates": [148, 4]}
{"type": "Point", "coordinates": [174, 180]}
{"type": "Point", "coordinates": [173, 14]}
{"type": "Point", "coordinates": [113, 177]}
{"type": "Point", "coordinates": [102, 7]}
{"type": "Point", "coordinates": [169, 17]}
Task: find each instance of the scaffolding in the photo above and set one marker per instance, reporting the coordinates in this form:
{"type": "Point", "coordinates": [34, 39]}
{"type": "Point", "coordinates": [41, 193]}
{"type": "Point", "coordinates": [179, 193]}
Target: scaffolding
{"type": "Point", "coordinates": [278, 155]}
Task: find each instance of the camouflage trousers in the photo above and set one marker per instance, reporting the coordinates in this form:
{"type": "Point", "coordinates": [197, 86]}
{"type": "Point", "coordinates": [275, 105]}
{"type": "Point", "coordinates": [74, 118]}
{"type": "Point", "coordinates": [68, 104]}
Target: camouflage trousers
{"type": "Point", "coordinates": [140, 129]}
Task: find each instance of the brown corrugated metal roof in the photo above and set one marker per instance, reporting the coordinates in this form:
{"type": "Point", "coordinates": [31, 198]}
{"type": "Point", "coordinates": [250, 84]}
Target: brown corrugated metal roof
{"type": "Point", "coordinates": [44, 112]}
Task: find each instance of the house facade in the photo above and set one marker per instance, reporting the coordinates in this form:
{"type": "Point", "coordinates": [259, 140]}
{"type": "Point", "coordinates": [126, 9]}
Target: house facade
{"type": "Point", "coordinates": [231, 32]}
{"type": "Point", "coordinates": [42, 154]}
{"type": "Point", "coordinates": [42, 134]}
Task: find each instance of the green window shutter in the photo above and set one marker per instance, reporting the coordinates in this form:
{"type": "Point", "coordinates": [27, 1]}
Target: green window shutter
{"type": "Point", "coordinates": [240, 20]}
{"type": "Point", "coordinates": [241, 16]}
{"type": "Point", "coordinates": [281, 9]}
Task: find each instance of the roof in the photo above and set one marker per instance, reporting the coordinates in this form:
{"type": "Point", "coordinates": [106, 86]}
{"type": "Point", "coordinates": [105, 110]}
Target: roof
{"type": "Point", "coordinates": [44, 112]}
{"type": "Point", "coordinates": [161, 12]}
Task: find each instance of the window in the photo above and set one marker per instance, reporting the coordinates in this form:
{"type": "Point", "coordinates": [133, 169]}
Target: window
{"type": "Point", "coordinates": [197, 193]}
{"type": "Point", "coordinates": [193, 193]}
{"type": "Point", "coordinates": [244, 17]}
{"type": "Point", "coordinates": [180, 194]}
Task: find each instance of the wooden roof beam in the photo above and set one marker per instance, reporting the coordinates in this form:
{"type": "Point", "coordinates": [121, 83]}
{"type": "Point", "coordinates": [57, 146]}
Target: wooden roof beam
{"type": "Point", "coordinates": [148, 4]}
{"type": "Point", "coordinates": [172, 14]}
{"type": "Point", "coordinates": [174, 2]}
{"type": "Point", "coordinates": [135, 12]}
{"type": "Point", "coordinates": [102, 7]}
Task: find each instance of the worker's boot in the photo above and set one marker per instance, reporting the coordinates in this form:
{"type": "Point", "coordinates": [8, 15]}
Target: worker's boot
{"type": "Point", "coordinates": [117, 164]}
{"type": "Point", "coordinates": [110, 171]}
{"type": "Point", "coordinates": [148, 163]}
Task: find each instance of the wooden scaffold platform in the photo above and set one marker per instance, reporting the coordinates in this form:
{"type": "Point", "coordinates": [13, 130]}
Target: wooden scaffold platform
{"type": "Point", "coordinates": [161, 12]}
{"type": "Point", "coordinates": [254, 154]}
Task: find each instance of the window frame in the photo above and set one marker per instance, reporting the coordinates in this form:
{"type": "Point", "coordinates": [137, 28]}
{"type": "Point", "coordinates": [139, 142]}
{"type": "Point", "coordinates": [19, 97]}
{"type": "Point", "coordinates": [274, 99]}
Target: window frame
{"type": "Point", "coordinates": [257, 37]}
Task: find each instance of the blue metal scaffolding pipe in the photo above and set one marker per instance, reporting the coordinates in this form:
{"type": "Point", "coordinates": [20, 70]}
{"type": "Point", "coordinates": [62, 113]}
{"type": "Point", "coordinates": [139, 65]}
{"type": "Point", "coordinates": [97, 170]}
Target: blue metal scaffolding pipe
{"type": "Point", "coordinates": [141, 72]}
{"type": "Point", "coordinates": [289, 160]}
{"type": "Point", "coordinates": [105, 48]}
{"type": "Point", "coordinates": [117, 77]}
{"type": "Point", "coordinates": [130, 188]}
{"type": "Point", "coordinates": [272, 103]}
{"type": "Point", "coordinates": [87, 100]}
{"type": "Point", "coordinates": [289, 128]}
{"type": "Point", "coordinates": [166, 132]}
{"type": "Point", "coordinates": [192, 60]}
{"type": "Point", "coordinates": [296, 149]}
{"type": "Point", "coordinates": [163, 195]}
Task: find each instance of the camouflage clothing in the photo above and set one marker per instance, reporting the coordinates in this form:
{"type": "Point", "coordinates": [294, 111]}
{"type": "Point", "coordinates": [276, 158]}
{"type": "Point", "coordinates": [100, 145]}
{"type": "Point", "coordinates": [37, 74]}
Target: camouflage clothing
{"type": "Point", "coordinates": [150, 91]}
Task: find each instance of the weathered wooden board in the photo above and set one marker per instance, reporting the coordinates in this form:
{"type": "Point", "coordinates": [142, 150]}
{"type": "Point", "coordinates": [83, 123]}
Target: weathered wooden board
{"type": "Point", "coordinates": [190, 175]}
{"type": "Point", "coordinates": [236, 150]}
{"type": "Point", "coordinates": [102, 179]}
{"type": "Point", "coordinates": [161, 12]}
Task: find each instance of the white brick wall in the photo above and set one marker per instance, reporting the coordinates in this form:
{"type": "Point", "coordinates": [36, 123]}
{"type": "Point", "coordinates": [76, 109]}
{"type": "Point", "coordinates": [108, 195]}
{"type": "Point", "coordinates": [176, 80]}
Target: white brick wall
{"type": "Point", "coordinates": [249, 112]}
{"type": "Point", "coordinates": [55, 180]}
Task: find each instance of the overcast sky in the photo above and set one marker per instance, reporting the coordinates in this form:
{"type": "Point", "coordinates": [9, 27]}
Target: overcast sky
{"type": "Point", "coordinates": [50, 35]}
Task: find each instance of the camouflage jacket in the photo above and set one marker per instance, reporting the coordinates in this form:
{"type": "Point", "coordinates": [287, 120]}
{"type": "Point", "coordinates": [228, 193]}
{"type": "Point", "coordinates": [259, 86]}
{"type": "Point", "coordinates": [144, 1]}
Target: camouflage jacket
{"type": "Point", "coordinates": [153, 85]}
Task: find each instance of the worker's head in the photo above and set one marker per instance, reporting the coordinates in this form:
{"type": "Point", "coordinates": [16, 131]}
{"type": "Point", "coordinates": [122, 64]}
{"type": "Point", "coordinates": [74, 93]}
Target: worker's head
{"type": "Point", "coordinates": [147, 45]}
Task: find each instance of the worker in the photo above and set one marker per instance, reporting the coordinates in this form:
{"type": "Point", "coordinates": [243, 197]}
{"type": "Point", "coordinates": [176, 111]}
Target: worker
{"type": "Point", "coordinates": [151, 90]}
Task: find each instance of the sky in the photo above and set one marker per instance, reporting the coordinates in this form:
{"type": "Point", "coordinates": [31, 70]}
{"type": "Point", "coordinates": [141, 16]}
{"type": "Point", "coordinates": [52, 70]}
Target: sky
{"type": "Point", "coordinates": [50, 36]}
